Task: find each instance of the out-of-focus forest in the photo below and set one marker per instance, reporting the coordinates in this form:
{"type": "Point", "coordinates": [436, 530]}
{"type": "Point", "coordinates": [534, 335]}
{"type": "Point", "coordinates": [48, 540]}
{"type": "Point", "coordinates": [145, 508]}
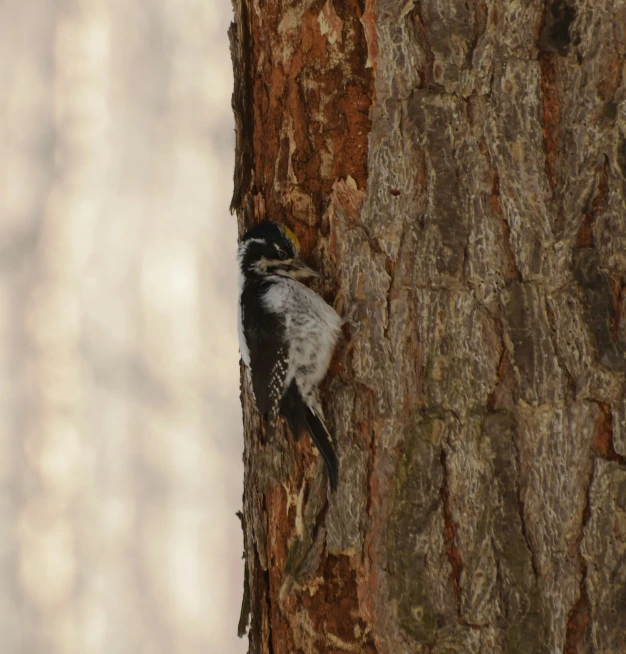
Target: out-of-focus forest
{"type": "Point", "coordinates": [120, 430]}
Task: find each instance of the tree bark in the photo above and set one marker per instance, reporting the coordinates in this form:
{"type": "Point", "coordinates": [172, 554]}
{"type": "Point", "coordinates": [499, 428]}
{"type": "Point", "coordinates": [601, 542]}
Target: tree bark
{"type": "Point", "coordinates": [459, 169]}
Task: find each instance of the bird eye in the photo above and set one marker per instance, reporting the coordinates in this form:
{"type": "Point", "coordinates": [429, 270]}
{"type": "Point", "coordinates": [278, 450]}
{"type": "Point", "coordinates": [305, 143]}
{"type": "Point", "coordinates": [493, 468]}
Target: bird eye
{"type": "Point", "coordinates": [282, 254]}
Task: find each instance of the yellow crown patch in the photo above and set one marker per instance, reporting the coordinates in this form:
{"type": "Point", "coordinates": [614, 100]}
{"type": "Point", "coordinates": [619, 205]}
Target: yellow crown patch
{"type": "Point", "coordinates": [292, 236]}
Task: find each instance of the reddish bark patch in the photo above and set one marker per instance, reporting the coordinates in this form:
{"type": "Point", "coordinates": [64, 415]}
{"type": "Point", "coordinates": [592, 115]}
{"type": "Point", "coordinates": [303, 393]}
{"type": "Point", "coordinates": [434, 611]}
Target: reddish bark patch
{"type": "Point", "coordinates": [279, 524]}
{"type": "Point", "coordinates": [368, 19]}
{"type": "Point", "coordinates": [551, 113]}
{"type": "Point", "coordinates": [578, 623]}
{"type": "Point", "coordinates": [603, 437]}
{"type": "Point", "coordinates": [311, 110]}
{"type": "Point", "coordinates": [334, 608]}
{"type": "Point", "coordinates": [331, 26]}
{"type": "Point", "coordinates": [616, 291]}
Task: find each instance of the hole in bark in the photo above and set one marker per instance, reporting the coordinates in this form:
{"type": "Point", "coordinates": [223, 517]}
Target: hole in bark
{"type": "Point", "coordinates": [556, 35]}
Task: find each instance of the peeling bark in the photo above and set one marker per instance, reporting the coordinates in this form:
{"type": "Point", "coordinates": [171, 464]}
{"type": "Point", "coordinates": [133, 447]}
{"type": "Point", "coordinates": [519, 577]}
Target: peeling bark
{"type": "Point", "coordinates": [459, 170]}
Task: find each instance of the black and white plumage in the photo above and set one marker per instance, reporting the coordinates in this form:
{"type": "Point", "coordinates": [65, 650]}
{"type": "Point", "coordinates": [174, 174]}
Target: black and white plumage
{"type": "Point", "coordinates": [287, 334]}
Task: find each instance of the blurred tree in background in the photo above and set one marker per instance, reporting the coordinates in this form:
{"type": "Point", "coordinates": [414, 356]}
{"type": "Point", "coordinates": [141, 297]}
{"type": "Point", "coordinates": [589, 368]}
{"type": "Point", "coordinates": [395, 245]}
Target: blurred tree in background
{"type": "Point", "coordinates": [119, 420]}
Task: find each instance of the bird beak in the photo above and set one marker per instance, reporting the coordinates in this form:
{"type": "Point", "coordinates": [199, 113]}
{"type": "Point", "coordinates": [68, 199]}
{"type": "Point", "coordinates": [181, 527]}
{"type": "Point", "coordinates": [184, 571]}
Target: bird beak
{"type": "Point", "coordinates": [301, 270]}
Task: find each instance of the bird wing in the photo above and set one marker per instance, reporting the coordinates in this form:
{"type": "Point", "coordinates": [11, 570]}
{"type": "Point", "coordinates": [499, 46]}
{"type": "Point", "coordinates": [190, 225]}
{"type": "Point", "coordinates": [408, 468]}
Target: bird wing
{"type": "Point", "coordinates": [264, 332]}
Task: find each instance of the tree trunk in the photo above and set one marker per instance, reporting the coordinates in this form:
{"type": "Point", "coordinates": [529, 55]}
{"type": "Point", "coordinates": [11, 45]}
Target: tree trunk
{"type": "Point", "coordinates": [458, 169]}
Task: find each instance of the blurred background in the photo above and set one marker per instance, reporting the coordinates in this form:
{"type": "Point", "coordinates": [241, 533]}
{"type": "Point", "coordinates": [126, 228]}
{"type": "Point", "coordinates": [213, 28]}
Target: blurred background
{"type": "Point", "coordinates": [120, 428]}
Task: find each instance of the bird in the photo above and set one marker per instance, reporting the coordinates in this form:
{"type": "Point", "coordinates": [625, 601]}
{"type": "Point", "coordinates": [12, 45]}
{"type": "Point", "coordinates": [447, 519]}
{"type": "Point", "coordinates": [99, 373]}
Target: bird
{"type": "Point", "coordinates": [287, 335]}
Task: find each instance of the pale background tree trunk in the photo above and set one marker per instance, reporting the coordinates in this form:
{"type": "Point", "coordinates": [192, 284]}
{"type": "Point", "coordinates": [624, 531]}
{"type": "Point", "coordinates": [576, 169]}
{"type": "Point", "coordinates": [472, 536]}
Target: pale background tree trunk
{"type": "Point", "coordinates": [119, 410]}
{"type": "Point", "coordinates": [458, 168]}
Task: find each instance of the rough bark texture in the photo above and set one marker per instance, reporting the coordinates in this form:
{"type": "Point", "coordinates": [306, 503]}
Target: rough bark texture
{"type": "Point", "coordinates": [459, 169]}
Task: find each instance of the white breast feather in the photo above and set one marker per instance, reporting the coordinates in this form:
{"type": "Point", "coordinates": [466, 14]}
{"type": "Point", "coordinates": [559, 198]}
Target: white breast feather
{"type": "Point", "coordinates": [312, 327]}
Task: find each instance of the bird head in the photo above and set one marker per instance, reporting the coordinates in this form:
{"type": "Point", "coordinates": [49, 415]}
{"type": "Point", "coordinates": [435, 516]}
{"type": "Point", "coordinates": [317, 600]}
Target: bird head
{"type": "Point", "coordinates": [272, 249]}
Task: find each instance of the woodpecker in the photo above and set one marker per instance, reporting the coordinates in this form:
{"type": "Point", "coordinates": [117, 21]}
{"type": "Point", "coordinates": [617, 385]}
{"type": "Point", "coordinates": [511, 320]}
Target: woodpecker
{"type": "Point", "coordinates": [287, 334]}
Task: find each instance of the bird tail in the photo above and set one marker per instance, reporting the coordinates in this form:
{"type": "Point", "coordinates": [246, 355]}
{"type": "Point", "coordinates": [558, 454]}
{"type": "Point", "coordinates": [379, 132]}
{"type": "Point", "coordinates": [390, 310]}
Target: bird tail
{"type": "Point", "coordinates": [300, 418]}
